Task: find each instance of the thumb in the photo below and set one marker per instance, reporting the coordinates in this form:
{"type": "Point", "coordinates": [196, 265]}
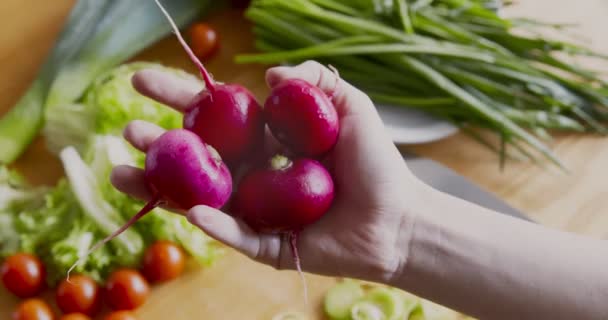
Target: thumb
{"type": "Point", "coordinates": [235, 233]}
{"type": "Point", "coordinates": [346, 98]}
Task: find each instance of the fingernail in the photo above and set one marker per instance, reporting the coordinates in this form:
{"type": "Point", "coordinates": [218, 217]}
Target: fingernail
{"type": "Point", "coordinates": [273, 75]}
{"type": "Point", "coordinates": [196, 216]}
{"type": "Point", "coordinates": [116, 173]}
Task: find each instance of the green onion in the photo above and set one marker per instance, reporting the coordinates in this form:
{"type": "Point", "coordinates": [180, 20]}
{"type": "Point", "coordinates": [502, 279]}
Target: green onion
{"type": "Point", "coordinates": [455, 59]}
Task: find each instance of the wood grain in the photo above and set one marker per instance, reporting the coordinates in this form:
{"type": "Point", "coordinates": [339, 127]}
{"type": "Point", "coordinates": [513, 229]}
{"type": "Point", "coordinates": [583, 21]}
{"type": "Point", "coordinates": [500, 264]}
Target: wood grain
{"type": "Point", "coordinates": [237, 288]}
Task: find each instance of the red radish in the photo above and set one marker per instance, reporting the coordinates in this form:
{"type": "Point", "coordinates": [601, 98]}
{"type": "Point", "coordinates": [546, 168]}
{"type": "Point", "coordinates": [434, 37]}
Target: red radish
{"type": "Point", "coordinates": [182, 170]}
{"type": "Point", "coordinates": [286, 196]}
{"type": "Point", "coordinates": [186, 172]}
{"type": "Point", "coordinates": [302, 117]}
{"type": "Point", "coordinates": [226, 116]}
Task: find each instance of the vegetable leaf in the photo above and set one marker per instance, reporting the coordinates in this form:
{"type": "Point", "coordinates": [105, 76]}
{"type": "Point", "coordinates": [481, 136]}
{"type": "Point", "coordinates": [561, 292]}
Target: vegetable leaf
{"type": "Point", "coordinates": [108, 105]}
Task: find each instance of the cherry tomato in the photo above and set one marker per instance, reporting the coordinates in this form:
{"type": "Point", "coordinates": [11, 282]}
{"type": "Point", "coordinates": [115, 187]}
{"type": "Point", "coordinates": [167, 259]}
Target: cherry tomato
{"type": "Point", "coordinates": [121, 315]}
{"type": "Point", "coordinates": [126, 289]}
{"type": "Point", "coordinates": [23, 274]}
{"type": "Point", "coordinates": [33, 309]}
{"type": "Point", "coordinates": [204, 40]}
{"type": "Point", "coordinates": [75, 316]}
{"type": "Point", "coordinates": [81, 294]}
{"type": "Point", "coordinates": [163, 261]}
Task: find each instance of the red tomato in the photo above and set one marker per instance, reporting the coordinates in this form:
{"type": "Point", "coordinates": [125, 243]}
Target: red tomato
{"type": "Point", "coordinates": [33, 309]}
{"type": "Point", "coordinates": [121, 315]}
{"type": "Point", "coordinates": [204, 40]}
{"type": "Point", "coordinates": [23, 274]}
{"type": "Point", "coordinates": [81, 294]}
{"type": "Point", "coordinates": [163, 261]}
{"type": "Point", "coordinates": [126, 289]}
{"type": "Point", "coordinates": [75, 316]}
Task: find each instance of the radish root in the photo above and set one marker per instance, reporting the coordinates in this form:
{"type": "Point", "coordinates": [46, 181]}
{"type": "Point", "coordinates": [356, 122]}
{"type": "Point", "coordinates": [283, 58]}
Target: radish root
{"type": "Point", "coordinates": [293, 243]}
{"type": "Point", "coordinates": [153, 203]}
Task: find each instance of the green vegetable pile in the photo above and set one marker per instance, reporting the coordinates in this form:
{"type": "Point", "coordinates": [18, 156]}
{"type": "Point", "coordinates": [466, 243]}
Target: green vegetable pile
{"type": "Point", "coordinates": [455, 59]}
{"type": "Point", "coordinates": [60, 224]}
{"type": "Point", "coordinates": [355, 300]}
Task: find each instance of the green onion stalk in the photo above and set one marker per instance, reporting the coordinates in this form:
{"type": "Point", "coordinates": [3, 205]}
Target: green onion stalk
{"type": "Point", "coordinates": [455, 59]}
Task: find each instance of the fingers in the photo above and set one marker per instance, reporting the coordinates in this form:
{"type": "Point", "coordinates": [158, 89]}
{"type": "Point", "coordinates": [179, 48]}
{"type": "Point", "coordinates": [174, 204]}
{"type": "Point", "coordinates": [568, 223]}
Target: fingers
{"type": "Point", "coordinates": [131, 181]}
{"type": "Point", "coordinates": [265, 248]}
{"type": "Point", "coordinates": [346, 98]}
{"type": "Point", "coordinates": [236, 234]}
{"type": "Point", "coordinates": [141, 134]}
{"type": "Point", "coordinates": [167, 88]}
{"type": "Point", "coordinates": [310, 71]}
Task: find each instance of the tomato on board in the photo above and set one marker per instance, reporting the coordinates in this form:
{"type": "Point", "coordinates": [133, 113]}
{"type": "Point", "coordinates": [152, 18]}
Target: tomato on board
{"type": "Point", "coordinates": [126, 289]}
{"type": "Point", "coordinates": [121, 315]}
{"type": "Point", "coordinates": [75, 316]}
{"type": "Point", "coordinates": [33, 309]}
{"type": "Point", "coordinates": [23, 274]}
{"type": "Point", "coordinates": [204, 40]}
{"type": "Point", "coordinates": [163, 261]}
{"type": "Point", "coordinates": [80, 294]}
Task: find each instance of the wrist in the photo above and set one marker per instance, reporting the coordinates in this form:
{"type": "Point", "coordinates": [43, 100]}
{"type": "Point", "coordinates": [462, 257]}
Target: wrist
{"type": "Point", "coordinates": [416, 212]}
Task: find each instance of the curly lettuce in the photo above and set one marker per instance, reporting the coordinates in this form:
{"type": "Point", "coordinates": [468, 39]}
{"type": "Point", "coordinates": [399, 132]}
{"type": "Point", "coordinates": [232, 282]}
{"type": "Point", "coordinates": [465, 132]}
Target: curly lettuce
{"type": "Point", "coordinates": [106, 108]}
{"type": "Point", "coordinates": [60, 224]}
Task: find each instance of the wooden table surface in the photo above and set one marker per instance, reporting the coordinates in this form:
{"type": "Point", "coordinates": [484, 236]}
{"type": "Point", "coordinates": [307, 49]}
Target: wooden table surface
{"type": "Point", "coordinates": [236, 288]}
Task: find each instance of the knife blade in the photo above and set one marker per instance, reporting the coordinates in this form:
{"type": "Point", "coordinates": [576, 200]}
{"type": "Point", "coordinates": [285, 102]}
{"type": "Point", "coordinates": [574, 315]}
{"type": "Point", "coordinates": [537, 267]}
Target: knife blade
{"type": "Point", "coordinates": [450, 182]}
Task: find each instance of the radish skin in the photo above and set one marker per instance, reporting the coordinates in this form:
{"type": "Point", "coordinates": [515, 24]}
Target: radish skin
{"type": "Point", "coordinates": [186, 171]}
{"type": "Point", "coordinates": [285, 196]}
{"type": "Point", "coordinates": [229, 119]}
{"type": "Point", "coordinates": [302, 117]}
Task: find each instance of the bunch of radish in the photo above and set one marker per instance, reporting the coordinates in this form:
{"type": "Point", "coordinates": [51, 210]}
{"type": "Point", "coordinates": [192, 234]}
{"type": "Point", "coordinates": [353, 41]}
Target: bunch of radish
{"type": "Point", "coordinates": [224, 122]}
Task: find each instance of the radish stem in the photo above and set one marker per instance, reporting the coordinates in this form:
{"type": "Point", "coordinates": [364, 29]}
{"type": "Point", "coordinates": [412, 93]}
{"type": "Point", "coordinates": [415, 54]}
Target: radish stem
{"type": "Point", "coordinates": [206, 76]}
{"type": "Point", "coordinates": [151, 205]}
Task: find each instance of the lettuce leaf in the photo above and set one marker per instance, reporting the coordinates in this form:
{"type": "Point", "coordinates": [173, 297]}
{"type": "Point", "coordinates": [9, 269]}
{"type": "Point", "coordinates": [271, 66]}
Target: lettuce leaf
{"type": "Point", "coordinates": [108, 105]}
{"type": "Point", "coordinates": [60, 224]}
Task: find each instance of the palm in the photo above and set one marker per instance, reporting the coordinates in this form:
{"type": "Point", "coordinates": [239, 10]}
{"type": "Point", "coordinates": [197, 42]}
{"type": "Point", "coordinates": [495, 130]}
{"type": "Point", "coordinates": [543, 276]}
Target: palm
{"type": "Point", "coordinates": [361, 227]}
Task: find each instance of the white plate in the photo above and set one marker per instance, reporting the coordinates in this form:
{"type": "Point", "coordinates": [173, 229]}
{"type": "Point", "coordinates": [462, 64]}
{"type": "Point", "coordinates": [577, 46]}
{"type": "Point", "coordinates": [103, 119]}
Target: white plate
{"type": "Point", "coordinates": [409, 126]}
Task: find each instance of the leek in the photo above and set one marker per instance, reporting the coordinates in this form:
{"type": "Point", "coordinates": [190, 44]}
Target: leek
{"type": "Point", "coordinates": [20, 125]}
{"type": "Point", "coordinates": [474, 67]}
{"type": "Point", "coordinates": [98, 35]}
{"type": "Point", "coordinates": [128, 28]}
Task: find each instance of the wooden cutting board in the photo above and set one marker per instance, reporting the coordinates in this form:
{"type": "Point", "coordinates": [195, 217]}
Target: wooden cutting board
{"type": "Point", "coordinates": [236, 288]}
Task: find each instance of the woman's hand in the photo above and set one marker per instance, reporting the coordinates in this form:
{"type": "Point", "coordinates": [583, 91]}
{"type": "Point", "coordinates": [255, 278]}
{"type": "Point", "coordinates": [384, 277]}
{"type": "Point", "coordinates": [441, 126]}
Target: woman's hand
{"type": "Point", "coordinates": [367, 231]}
